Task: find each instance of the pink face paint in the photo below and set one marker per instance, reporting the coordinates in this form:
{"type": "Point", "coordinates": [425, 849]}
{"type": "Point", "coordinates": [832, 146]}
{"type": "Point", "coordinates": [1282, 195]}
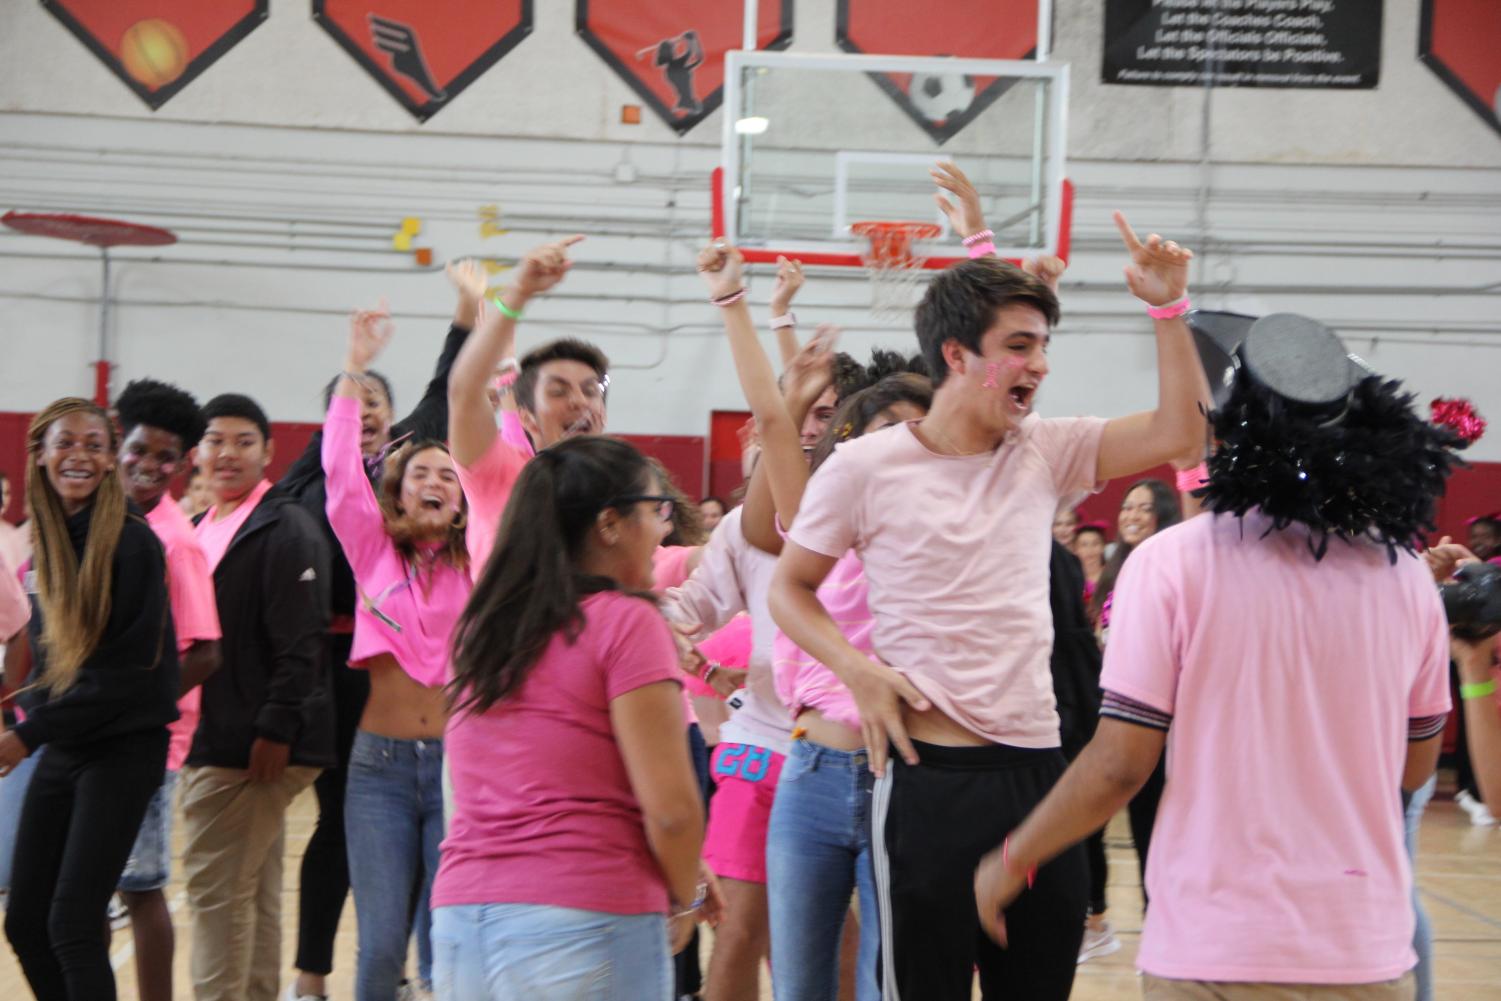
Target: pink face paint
{"type": "Point", "coordinates": [991, 370]}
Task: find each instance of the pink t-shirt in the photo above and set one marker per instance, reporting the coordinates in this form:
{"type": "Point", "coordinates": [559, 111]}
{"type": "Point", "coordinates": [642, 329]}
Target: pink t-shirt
{"type": "Point", "coordinates": [15, 610]}
{"type": "Point", "coordinates": [1278, 849]}
{"type": "Point", "coordinates": [214, 537]}
{"type": "Point", "coordinates": [408, 615]}
{"type": "Point", "coordinates": [190, 589]}
{"type": "Point", "coordinates": [487, 486]}
{"type": "Point", "coordinates": [544, 812]}
{"type": "Point", "coordinates": [803, 682]}
{"type": "Point", "coordinates": [956, 552]}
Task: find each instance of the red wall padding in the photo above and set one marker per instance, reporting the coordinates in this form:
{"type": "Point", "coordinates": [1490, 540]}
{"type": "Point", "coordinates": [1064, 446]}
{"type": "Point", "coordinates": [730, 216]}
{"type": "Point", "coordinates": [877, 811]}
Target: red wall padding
{"type": "Point", "coordinates": [714, 465]}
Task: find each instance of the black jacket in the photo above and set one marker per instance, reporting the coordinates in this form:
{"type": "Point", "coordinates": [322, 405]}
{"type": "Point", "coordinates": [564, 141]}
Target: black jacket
{"type": "Point", "coordinates": [304, 480]}
{"type": "Point", "coordinates": [1076, 654]}
{"type": "Point", "coordinates": [129, 683]}
{"type": "Point", "coordinates": [272, 591]}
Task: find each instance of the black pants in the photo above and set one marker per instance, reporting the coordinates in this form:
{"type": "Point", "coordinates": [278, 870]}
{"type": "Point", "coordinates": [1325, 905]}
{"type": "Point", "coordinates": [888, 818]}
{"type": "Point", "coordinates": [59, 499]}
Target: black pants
{"type": "Point", "coordinates": [80, 820]}
{"type": "Point", "coordinates": [687, 977]}
{"type": "Point", "coordinates": [1099, 870]}
{"type": "Point", "coordinates": [1464, 770]}
{"type": "Point", "coordinates": [1142, 812]}
{"type": "Point", "coordinates": [325, 865]}
{"type": "Point", "coordinates": [931, 824]}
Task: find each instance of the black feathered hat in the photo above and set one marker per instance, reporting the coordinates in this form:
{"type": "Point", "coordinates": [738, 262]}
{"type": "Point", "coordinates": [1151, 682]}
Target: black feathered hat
{"type": "Point", "coordinates": [1309, 435]}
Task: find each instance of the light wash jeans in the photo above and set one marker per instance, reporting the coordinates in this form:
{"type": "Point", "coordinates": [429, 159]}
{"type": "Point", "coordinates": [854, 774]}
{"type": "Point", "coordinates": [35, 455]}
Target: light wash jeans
{"type": "Point", "coordinates": [1422, 940]}
{"type": "Point", "coordinates": [817, 854]}
{"type": "Point", "coordinates": [12, 795]}
{"type": "Point", "coordinates": [506, 952]}
{"type": "Point", "coordinates": [393, 825]}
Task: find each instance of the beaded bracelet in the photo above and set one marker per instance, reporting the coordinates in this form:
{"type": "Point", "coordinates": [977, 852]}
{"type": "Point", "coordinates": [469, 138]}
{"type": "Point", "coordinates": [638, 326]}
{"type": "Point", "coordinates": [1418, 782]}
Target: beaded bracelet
{"type": "Point", "coordinates": [731, 299]}
{"type": "Point", "coordinates": [984, 236]}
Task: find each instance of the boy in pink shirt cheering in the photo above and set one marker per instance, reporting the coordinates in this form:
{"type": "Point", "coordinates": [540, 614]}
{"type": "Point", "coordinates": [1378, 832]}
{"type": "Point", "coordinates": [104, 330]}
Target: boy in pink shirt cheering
{"type": "Point", "coordinates": [1294, 626]}
{"type": "Point", "coordinates": [962, 686]}
{"type": "Point", "coordinates": [161, 423]}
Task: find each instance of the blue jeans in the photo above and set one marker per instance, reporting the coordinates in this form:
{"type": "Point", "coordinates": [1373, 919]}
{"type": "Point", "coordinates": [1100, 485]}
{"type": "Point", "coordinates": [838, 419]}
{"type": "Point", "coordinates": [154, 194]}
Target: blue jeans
{"type": "Point", "coordinates": [503, 952]}
{"type": "Point", "coordinates": [1422, 939]}
{"type": "Point", "coordinates": [393, 825]}
{"type": "Point", "coordinates": [12, 796]}
{"type": "Point", "coordinates": [817, 854]}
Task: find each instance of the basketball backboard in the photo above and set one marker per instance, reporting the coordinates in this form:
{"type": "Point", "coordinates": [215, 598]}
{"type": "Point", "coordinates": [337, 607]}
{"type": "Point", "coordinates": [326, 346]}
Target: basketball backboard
{"type": "Point", "coordinates": [811, 146]}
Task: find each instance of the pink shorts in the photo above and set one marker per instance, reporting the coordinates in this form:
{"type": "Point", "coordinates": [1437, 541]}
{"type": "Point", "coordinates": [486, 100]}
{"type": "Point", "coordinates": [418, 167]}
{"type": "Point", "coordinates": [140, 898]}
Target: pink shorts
{"type": "Point", "coordinates": [746, 780]}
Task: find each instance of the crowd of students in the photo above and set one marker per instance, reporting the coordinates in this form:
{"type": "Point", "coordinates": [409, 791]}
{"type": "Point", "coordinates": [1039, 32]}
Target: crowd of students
{"type": "Point", "coordinates": [557, 715]}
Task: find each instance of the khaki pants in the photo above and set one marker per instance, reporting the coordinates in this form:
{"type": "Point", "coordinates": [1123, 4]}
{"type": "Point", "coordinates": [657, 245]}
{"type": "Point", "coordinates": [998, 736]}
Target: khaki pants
{"type": "Point", "coordinates": [1404, 988]}
{"type": "Point", "coordinates": [232, 861]}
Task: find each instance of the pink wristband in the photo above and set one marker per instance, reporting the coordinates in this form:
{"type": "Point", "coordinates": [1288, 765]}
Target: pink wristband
{"type": "Point", "coordinates": [1171, 311]}
{"type": "Point", "coordinates": [986, 249]}
{"type": "Point", "coordinates": [1190, 480]}
{"type": "Point", "coordinates": [984, 236]}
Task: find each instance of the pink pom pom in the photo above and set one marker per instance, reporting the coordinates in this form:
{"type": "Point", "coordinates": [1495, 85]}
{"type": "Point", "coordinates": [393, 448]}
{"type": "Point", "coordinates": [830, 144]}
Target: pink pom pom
{"type": "Point", "coordinates": [1459, 416]}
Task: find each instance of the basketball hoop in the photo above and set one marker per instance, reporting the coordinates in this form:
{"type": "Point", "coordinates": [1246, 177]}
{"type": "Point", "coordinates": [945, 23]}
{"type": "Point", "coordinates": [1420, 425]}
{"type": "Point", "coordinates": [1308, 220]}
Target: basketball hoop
{"type": "Point", "coordinates": [893, 264]}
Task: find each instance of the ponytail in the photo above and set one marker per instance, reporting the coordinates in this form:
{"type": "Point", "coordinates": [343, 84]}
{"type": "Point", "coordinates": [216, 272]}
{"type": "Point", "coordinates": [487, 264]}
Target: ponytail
{"type": "Point", "coordinates": [532, 587]}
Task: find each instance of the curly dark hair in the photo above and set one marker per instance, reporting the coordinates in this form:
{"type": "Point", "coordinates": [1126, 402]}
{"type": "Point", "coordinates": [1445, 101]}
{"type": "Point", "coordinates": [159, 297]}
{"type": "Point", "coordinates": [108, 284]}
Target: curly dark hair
{"type": "Point", "coordinates": [1373, 472]}
{"type": "Point", "coordinates": [160, 405]}
{"type": "Point", "coordinates": [851, 377]}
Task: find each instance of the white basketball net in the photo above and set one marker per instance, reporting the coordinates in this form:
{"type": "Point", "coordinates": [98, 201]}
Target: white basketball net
{"type": "Point", "coordinates": [895, 269]}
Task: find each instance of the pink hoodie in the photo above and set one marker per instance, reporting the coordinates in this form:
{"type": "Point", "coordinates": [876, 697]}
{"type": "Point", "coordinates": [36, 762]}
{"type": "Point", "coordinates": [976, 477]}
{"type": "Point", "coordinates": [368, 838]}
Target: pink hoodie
{"type": "Point", "coordinates": [398, 613]}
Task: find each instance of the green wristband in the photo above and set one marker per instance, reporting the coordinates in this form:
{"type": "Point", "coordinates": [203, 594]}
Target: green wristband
{"type": "Point", "coordinates": [514, 314]}
{"type": "Point", "coordinates": [1478, 690]}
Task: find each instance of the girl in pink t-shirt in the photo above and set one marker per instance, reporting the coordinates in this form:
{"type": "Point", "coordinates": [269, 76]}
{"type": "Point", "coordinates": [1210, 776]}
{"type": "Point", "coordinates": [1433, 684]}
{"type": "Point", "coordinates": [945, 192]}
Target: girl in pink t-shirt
{"type": "Point", "coordinates": [411, 573]}
{"type": "Point", "coordinates": [572, 853]}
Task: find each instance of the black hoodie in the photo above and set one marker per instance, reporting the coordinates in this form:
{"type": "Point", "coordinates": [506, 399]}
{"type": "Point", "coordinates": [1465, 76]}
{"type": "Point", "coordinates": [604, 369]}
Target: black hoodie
{"type": "Point", "coordinates": [272, 591]}
{"type": "Point", "coordinates": [129, 683]}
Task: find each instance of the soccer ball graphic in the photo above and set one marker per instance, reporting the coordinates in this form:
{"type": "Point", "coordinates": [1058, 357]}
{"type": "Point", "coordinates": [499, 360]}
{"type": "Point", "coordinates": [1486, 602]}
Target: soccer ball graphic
{"type": "Point", "coordinates": [941, 96]}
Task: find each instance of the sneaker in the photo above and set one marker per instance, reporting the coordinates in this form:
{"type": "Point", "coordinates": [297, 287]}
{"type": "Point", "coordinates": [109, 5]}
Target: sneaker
{"type": "Point", "coordinates": [413, 990]}
{"type": "Point", "coordinates": [119, 916]}
{"type": "Point", "coordinates": [1480, 815]}
{"type": "Point", "coordinates": [1098, 942]}
{"type": "Point", "coordinates": [292, 994]}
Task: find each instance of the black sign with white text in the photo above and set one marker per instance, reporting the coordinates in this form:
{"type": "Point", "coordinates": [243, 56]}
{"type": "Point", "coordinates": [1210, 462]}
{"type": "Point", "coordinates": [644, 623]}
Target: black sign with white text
{"type": "Point", "coordinates": [1243, 43]}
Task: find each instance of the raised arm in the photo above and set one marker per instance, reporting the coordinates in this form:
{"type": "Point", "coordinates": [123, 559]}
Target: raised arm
{"type": "Point", "coordinates": [429, 418]}
{"type": "Point", "coordinates": [471, 418]}
{"type": "Point", "coordinates": [783, 469]}
{"type": "Point", "coordinates": [353, 511]}
{"type": "Point", "coordinates": [1158, 275]}
{"type": "Point", "coordinates": [784, 324]}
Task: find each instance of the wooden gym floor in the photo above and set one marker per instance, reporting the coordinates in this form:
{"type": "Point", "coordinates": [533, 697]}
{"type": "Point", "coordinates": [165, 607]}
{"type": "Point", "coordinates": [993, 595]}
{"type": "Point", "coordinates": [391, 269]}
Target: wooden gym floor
{"type": "Point", "coordinates": [1459, 877]}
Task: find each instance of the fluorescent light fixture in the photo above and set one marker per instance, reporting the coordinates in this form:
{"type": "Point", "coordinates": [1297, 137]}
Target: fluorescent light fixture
{"type": "Point", "coordinates": [752, 126]}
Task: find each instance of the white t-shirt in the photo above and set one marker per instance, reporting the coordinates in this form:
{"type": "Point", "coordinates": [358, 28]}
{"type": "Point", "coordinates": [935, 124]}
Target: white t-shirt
{"type": "Point", "coordinates": [956, 552]}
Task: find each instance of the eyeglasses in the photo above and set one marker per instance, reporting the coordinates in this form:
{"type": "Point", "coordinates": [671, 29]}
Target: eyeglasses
{"type": "Point", "coordinates": [665, 506]}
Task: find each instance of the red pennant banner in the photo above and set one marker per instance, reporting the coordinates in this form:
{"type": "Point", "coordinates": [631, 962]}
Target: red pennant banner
{"type": "Point", "coordinates": [425, 53]}
{"type": "Point", "coordinates": [1461, 41]}
{"type": "Point", "coordinates": [671, 52]}
{"type": "Point", "coordinates": [158, 47]}
{"type": "Point", "coordinates": [941, 103]}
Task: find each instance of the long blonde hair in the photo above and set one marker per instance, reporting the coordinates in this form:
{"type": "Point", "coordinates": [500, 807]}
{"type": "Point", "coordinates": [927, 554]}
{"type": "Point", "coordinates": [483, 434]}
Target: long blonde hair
{"type": "Point", "coordinates": [75, 599]}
